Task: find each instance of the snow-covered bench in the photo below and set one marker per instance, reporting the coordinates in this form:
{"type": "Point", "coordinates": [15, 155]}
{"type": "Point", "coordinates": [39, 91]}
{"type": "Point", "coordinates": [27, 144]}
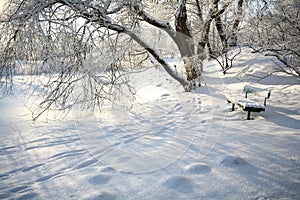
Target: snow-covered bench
{"type": "Point", "coordinates": [250, 105]}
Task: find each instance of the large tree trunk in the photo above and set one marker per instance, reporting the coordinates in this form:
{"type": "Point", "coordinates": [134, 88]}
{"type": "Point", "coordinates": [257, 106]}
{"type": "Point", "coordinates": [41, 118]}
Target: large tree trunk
{"type": "Point", "coordinates": [182, 36]}
{"type": "Point", "coordinates": [221, 31]}
{"type": "Point", "coordinates": [237, 21]}
{"type": "Point", "coordinates": [215, 14]}
{"type": "Point", "coordinates": [184, 41]}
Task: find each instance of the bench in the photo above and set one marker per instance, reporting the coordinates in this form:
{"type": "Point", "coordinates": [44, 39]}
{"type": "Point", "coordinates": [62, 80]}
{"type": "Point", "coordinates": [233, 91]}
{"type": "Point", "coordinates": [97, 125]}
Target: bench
{"type": "Point", "coordinates": [249, 105]}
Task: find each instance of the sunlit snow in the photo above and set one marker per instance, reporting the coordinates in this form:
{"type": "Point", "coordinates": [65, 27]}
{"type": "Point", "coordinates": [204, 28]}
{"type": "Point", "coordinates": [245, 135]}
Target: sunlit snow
{"type": "Point", "coordinates": [160, 143]}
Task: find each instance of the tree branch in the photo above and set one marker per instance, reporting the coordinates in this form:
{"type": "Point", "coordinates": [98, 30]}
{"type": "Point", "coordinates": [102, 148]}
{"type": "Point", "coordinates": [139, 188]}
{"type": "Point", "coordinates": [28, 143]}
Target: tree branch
{"type": "Point", "coordinates": [153, 52]}
{"type": "Point", "coordinates": [148, 18]}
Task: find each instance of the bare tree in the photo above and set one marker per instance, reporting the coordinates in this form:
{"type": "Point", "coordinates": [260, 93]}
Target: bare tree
{"type": "Point", "coordinates": [273, 29]}
{"type": "Point", "coordinates": [220, 30]}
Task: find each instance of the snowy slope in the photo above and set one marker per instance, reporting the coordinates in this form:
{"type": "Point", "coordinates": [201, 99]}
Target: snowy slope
{"type": "Point", "coordinates": [161, 144]}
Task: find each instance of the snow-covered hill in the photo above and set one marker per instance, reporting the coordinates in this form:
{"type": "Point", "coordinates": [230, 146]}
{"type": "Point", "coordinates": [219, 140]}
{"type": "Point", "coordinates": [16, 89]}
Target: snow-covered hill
{"type": "Point", "coordinates": [161, 144]}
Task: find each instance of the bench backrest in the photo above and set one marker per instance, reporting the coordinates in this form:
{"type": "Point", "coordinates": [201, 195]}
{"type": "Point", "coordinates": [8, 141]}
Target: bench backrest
{"type": "Point", "coordinates": [258, 91]}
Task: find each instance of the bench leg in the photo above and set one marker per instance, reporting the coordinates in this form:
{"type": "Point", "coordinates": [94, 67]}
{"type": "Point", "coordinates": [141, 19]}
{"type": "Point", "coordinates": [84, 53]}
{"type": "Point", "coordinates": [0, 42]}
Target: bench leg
{"type": "Point", "coordinates": [232, 107]}
{"type": "Point", "coordinates": [248, 115]}
{"type": "Point", "coordinates": [265, 102]}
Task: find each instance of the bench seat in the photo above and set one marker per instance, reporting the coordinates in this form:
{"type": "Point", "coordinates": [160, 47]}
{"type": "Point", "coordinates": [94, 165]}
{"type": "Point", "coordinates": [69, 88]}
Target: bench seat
{"type": "Point", "coordinates": [245, 104]}
{"type": "Point", "coordinates": [253, 107]}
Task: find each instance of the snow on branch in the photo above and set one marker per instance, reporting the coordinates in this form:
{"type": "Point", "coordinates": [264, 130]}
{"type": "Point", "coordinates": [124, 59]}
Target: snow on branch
{"type": "Point", "coordinates": [292, 69]}
{"type": "Point", "coordinates": [148, 18]}
{"type": "Point", "coordinates": [23, 13]}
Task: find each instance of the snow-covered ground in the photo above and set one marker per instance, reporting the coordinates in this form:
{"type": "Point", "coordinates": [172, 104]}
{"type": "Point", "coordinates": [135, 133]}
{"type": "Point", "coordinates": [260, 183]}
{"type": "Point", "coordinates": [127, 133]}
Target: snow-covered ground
{"type": "Point", "coordinates": [162, 144]}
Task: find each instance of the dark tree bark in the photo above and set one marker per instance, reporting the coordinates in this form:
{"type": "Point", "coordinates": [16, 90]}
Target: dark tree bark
{"type": "Point", "coordinates": [182, 35]}
{"type": "Point", "coordinates": [214, 13]}
{"type": "Point", "coordinates": [237, 21]}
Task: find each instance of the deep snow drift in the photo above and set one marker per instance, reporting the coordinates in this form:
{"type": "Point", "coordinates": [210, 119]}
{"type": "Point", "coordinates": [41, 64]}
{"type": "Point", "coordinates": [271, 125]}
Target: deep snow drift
{"type": "Point", "coordinates": [161, 144]}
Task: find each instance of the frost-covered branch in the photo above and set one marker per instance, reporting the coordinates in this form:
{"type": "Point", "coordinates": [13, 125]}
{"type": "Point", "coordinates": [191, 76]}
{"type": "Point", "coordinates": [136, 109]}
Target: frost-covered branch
{"type": "Point", "coordinates": [138, 7]}
{"type": "Point", "coordinates": [159, 59]}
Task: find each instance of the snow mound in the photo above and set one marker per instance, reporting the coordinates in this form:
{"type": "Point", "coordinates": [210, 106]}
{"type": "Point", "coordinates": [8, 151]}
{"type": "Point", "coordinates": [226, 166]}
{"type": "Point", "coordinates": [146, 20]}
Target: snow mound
{"type": "Point", "coordinates": [108, 169]}
{"type": "Point", "coordinates": [230, 161]}
{"type": "Point", "coordinates": [179, 183]}
{"type": "Point", "coordinates": [86, 163]}
{"type": "Point", "coordinates": [104, 196]}
{"type": "Point", "coordinates": [197, 168]}
{"type": "Point", "coordinates": [28, 196]}
{"type": "Point", "coordinates": [99, 179]}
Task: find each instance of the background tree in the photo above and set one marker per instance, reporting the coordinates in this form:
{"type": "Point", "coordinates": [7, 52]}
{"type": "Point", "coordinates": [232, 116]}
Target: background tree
{"type": "Point", "coordinates": [220, 29]}
{"type": "Point", "coordinates": [272, 28]}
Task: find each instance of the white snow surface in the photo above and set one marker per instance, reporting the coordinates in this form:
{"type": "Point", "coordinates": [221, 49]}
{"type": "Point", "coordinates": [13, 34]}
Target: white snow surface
{"type": "Point", "coordinates": [162, 143]}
